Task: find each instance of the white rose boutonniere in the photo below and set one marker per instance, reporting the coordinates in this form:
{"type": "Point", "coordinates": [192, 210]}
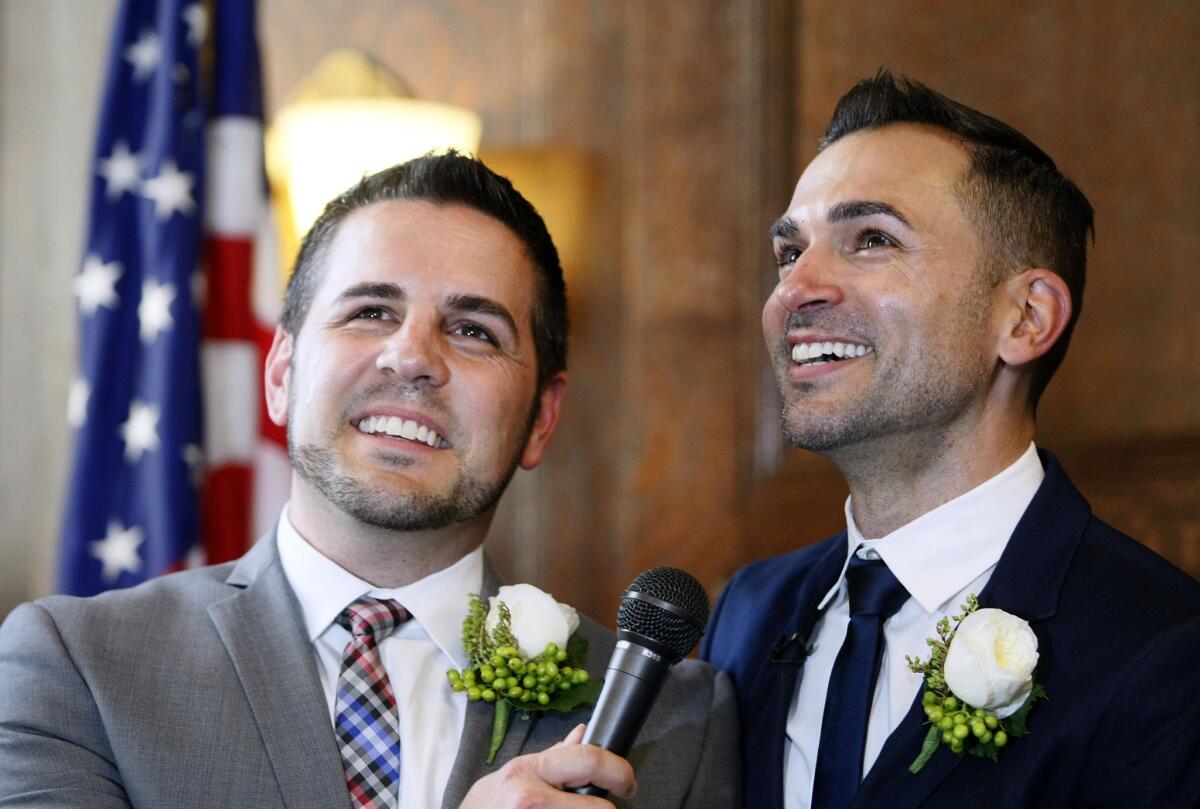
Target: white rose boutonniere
{"type": "Point", "coordinates": [979, 684]}
{"type": "Point", "coordinates": [536, 618]}
{"type": "Point", "coordinates": [990, 663]}
{"type": "Point", "coordinates": [522, 654]}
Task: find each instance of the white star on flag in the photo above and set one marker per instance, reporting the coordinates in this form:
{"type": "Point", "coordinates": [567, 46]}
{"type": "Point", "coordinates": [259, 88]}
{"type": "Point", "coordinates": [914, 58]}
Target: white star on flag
{"type": "Point", "coordinates": [196, 19]}
{"type": "Point", "coordinates": [144, 55]}
{"type": "Point", "coordinates": [140, 430]}
{"type": "Point", "coordinates": [96, 285]}
{"type": "Point", "coordinates": [118, 551]}
{"type": "Point", "coordinates": [77, 402]}
{"type": "Point", "coordinates": [171, 191]}
{"type": "Point", "coordinates": [154, 310]}
{"type": "Point", "coordinates": [120, 171]}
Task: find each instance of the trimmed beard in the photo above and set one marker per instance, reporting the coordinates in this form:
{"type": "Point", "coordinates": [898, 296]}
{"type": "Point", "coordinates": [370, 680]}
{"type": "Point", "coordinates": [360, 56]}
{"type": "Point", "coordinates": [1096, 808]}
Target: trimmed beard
{"type": "Point", "coordinates": [398, 510]}
{"type": "Point", "coordinates": [921, 398]}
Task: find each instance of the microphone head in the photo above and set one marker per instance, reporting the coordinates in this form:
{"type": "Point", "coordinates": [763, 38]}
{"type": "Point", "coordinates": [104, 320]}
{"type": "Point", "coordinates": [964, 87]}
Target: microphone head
{"type": "Point", "coordinates": [667, 606]}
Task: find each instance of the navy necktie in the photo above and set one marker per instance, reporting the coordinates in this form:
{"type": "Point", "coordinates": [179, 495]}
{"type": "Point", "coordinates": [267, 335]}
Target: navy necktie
{"type": "Point", "coordinates": [875, 595]}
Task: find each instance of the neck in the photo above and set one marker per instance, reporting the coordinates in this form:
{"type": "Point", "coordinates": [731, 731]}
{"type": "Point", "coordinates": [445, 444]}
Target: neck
{"type": "Point", "coordinates": [381, 556]}
{"type": "Point", "coordinates": [896, 479]}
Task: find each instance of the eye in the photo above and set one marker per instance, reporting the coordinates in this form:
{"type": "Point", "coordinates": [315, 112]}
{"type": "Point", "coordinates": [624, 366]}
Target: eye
{"type": "Point", "coordinates": [874, 239]}
{"type": "Point", "coordinates": [475, 332]}
{"type": "Point", "coordinates": [787, 255]}
{"type": "Point", "coordinates": [371, 313]}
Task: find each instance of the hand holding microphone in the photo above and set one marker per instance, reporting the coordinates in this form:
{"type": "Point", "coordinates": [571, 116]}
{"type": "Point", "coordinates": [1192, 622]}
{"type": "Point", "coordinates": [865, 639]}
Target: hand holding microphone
{"type": "Point", "coordinates": [661, 617]}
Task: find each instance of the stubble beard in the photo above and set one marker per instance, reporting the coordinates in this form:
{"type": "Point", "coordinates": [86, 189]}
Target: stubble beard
{"type": "Point", "coordinates": [395, 509]}
{"type": "Point", "coordinates": [917, 401]}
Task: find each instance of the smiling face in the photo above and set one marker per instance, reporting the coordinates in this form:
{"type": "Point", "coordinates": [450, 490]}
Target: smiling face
{"type": "Point", "coordinates": [410, 391]}
{"type": "Point", "coordinates": [883, 321]}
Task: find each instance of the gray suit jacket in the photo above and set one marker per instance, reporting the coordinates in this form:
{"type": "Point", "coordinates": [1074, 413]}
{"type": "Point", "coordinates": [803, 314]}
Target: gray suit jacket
{"type": "Point", "coordinates": [200, 689]}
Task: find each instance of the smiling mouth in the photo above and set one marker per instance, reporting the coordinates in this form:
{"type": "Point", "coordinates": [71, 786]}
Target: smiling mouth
{"type": "Point", "coordinates": [407, 429]}
{"type": "Point", "coordinates": [805, 354]}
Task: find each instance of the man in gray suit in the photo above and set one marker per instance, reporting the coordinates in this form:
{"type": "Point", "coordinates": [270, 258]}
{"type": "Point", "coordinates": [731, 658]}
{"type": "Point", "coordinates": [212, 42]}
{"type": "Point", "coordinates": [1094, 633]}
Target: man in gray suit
{"type": "Point", "coordinates": [420, 360]}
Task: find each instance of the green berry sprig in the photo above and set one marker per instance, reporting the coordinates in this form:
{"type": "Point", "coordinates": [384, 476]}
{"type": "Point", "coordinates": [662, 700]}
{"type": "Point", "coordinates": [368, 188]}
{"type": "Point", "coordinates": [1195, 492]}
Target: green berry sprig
{"type": "Point", "coordinates": [961, 727]}
{"type": "Point", "coordinates": [506, 675]}
{"type": "Point", "coordinates": [497, 673]}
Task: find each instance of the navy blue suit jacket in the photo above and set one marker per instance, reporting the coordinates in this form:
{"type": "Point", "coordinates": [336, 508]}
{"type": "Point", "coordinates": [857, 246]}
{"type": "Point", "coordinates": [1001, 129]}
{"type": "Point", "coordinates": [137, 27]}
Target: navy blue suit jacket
{"type": "Point", "coordinates": [1119, 640]}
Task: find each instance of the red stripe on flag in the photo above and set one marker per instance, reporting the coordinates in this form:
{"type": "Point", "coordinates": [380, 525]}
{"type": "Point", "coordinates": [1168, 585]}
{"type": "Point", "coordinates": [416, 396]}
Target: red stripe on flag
{"type": "Point", "coordinates": [226, 504]}
{"type": "Point", "coordinates": [228, 315]}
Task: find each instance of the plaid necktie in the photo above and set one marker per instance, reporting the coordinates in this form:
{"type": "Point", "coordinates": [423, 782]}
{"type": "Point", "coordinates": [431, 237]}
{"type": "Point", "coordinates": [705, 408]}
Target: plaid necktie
{"type": "Point", "coordinates": [367, 722]}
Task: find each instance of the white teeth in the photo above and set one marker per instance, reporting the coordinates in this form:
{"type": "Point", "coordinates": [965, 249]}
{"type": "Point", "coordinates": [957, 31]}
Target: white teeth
{"type": "Point", "coordinates": [810, 353]}
{"type": "Point", "coordinates": [400, 428]}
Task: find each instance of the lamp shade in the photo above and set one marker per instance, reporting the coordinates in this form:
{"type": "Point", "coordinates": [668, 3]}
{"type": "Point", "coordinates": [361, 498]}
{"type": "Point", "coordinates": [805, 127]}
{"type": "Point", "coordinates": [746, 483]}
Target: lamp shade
{"type": "Point", "coordinates": [322, 147]}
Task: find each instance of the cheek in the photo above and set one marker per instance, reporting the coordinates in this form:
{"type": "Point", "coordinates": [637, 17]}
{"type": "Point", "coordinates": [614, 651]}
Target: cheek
{"type": "Point", "coordinates": [774, 316]}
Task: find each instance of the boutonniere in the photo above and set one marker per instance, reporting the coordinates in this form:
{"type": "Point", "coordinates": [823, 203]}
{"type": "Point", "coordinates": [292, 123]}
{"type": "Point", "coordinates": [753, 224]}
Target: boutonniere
{"type": "Point", "coordinates": [979, 685]}
{"type": "Point", "coordinates": [523, 655]}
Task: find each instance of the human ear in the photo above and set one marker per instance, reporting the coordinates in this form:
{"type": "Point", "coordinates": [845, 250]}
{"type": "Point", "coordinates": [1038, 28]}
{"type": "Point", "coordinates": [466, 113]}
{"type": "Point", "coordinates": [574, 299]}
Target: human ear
{"type": "Point", "coordinates": [1041, 309]}
{"type": "Point", "coordinates": [277, 376]}
{"type": "Point", "coordinates": [549, 408]}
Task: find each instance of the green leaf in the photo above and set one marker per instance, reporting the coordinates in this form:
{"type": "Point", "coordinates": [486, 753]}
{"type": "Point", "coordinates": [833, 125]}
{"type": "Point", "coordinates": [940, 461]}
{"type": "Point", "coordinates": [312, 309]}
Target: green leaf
{"type": "Point", "coordinates": [499, 728]}
{"type": "Point", "coordinates": [1017, 724]}
{"type": "Point", "coordinates": [565, 701]}
{"type": "Point", "coordinates": [577, 648]}
{"type": "Point", "coordinates": [985, 751]}
{"type": "Point", "coordinates": [928, 748]}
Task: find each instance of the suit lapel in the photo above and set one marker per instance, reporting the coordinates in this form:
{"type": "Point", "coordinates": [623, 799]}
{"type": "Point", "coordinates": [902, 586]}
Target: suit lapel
{"type": "Point", "coordinates": [471, 762]}
{"type": "Point", "coordinates": [261, 628]}
{"type": "Point", "coordinates": [765, 733]}
{"type": "Point", "coordinates": [1026, 582]}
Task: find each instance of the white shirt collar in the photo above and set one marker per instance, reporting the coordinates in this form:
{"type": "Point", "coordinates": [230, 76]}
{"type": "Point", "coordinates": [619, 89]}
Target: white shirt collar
{"type": "Point", "coordinates": [941, 552]}
{"type": "Point", "coordinates": [438, 602]}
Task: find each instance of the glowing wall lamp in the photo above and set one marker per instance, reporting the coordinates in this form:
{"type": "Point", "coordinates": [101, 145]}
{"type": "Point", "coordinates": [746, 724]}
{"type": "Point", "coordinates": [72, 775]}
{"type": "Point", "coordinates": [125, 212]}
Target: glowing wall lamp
{"type": "Point", "coordinates": [348, 118]}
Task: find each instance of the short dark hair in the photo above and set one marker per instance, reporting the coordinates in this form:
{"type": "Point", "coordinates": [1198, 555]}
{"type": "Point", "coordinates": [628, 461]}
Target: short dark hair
{"type": "Point", "coordinates": [1027, 213]}
{"type": "Point", "coordinates": [446, 179]}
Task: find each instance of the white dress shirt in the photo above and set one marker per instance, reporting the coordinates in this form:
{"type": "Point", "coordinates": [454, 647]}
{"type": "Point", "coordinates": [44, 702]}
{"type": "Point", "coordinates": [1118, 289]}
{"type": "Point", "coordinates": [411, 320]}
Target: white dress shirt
{"type": "Point", "coordinates": [941, 557]}
{"type": "Point", "coordinates": [416, 655]}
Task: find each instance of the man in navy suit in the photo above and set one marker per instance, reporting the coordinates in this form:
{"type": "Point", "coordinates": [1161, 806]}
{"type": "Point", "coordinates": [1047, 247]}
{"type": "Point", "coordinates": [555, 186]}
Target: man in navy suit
{"type": "Point", "coordinates": [931, 268]}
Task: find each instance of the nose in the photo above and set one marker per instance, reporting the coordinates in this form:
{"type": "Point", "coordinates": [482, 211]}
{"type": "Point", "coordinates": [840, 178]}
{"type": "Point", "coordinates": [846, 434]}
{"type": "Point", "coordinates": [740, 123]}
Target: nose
{"type": "Point", "coordinates": [414, 352]}
{"type": "Point", "coordinates": [812, 282]}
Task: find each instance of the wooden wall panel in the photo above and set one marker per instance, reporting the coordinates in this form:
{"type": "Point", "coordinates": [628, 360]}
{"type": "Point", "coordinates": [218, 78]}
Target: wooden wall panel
{"type": "Point", "coordinates": [690, 123]}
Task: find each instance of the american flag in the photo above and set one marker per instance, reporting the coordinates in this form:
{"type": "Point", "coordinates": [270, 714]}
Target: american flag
{"type": "Point", "coordinates": [167, 402]}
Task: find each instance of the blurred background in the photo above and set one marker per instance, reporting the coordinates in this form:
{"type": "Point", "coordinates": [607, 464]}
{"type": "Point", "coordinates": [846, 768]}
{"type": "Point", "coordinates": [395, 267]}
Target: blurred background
{"type": "Point", "coordinates": [666, 137]}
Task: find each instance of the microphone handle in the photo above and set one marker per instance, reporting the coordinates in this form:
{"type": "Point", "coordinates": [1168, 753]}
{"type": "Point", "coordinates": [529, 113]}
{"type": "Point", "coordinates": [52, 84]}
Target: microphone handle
{"type": "Point", "coordinates": [633, 681]}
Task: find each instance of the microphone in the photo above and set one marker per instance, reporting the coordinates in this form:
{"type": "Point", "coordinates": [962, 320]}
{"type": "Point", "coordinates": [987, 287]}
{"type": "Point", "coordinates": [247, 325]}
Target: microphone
{"type": "Point", "coordinates": [661, 617]}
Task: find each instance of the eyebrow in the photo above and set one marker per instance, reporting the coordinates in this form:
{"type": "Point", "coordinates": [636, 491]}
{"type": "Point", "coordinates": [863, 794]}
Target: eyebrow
{"type": "Point", "coordinates": [784, 228]}
{"type": "Point", "coordinates": [456, 303]}
{"type": "Point", "coordinates": [857, 209]}
{"type": "Point", "coordinates": [371, 289]}
{"type": "Point", "coordinates": [483, 306]}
